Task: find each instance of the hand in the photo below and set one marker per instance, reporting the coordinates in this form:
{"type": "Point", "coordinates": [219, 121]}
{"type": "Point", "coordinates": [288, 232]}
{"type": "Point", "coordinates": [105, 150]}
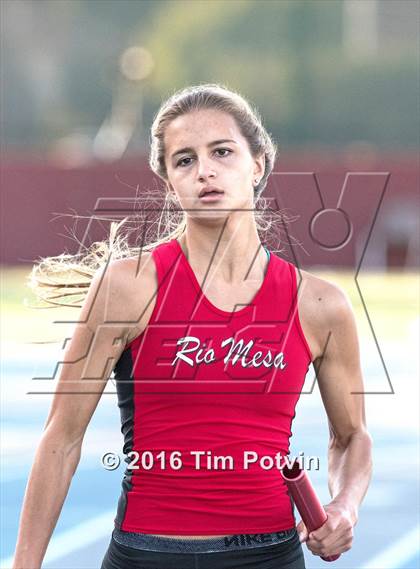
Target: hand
{"type": "Point", "coordinates": [334, 536]}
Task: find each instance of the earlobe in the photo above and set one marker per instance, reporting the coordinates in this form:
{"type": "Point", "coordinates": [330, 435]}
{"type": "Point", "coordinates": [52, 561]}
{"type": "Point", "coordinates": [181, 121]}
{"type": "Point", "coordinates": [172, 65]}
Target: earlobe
{"type": "Point", "coordinates": [171, 193]}
{"type": "Point", "coordinates": [260, 167]}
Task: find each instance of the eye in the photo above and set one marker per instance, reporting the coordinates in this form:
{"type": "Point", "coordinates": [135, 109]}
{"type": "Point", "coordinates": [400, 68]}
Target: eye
{"type": "Point", "coordinates": [227, 150]}
{"type": "Point", "coordinates": [181, 161]}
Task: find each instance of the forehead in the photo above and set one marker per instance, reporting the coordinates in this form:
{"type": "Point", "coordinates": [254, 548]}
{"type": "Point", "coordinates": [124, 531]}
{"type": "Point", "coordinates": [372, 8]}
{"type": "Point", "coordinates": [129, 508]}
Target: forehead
{"type": "Point", "coordinates": [200, 127]}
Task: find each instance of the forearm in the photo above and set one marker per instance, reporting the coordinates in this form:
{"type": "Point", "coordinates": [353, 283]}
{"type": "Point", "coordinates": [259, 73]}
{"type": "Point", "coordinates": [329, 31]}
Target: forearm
{"type": "Point", "coordinates": [350, 471]}
{"type": "Point", "coordinates": [53, 468]}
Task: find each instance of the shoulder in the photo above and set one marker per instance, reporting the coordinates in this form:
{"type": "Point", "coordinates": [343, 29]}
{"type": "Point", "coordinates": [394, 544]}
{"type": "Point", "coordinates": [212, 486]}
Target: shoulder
{"type": "Point", "coordinates": [121, 275]}
{"type": "Point", "coordinates": [130, 270]}
{"type": "Point", "coordinates": [324, 296]}
{"type": "Point", "coordinates": [126, 285]}
{"type": "Point", "coordinates": [324, 307]}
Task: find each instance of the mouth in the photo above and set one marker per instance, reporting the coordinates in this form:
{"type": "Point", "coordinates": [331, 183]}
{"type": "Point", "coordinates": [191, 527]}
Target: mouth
{"type": "Point", "coordinates": [210, 194]}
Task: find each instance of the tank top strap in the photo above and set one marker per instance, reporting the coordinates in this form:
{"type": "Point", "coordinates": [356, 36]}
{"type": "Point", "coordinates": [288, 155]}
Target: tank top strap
{"type": "Point", "coordinates": [168, 262]}
{"type": "Point", "coordinates": [278, 294]}
{"type": "Point", "coordinates": [166, 257]}
{"type": "Point", "coordinates": [295, 280]}
{"type": "Point", "coordinates": [176, 295]}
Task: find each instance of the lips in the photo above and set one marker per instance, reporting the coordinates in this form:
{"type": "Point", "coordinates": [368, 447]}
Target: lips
{"type": "Point", "coordinates": [210, 190]}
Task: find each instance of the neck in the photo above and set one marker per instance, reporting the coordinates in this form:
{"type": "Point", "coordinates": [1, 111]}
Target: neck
{"type": "Point", "coordinates": [229, 251]}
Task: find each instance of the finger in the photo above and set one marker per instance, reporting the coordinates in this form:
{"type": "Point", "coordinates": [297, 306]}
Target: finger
{"type": "Point", "coordinates": [338, 536]}
{"type": "Point", "coordinates": [300, 526]}
{"type": "Point", "coordinates": [303, 537]}
{"type": "Point", "coordinates": [314, 547]}
{"type": "Point", "coordinates": [339, 546]}
{"type": "Point", "coordinates": [322, 532]}
{"type": "Point", "coordinates": [302, 531]}
{"type": "Point", "coordinates": [319, 548]}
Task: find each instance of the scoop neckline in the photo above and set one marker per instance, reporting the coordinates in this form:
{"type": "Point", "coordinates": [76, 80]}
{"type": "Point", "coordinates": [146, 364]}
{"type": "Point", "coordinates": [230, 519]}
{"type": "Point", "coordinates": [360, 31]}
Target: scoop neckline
{"type": "Point", "coordinates": [208, 302]}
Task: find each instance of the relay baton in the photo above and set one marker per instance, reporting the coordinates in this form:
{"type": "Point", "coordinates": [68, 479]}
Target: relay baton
{"type": "Point", "coordinates": [307, 503]}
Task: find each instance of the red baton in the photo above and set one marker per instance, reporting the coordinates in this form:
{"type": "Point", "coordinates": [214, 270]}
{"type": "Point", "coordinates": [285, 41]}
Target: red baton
{"type": "Point", "coordinates": [307, 503]}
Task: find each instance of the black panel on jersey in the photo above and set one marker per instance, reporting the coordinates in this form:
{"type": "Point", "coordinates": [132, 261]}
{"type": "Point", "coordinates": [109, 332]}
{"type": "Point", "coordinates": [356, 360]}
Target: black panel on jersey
{"type": "Point", "coordinates": [123, 373]}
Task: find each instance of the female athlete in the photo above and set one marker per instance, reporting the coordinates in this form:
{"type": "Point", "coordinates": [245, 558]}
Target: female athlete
{"type": "Point", "coordinates": [210, 344]}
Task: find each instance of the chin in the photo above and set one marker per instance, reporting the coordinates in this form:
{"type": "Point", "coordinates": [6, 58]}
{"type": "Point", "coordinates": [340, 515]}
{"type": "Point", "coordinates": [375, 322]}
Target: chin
{"type": "Point", "coordinates": [210, 214]}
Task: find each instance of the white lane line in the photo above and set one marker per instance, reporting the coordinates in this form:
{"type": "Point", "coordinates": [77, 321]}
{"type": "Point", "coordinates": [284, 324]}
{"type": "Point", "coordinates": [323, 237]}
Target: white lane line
{"type": "Point", "coordinates": [397, 554]}
{"type": "Point", "coordinates": [75, 538]}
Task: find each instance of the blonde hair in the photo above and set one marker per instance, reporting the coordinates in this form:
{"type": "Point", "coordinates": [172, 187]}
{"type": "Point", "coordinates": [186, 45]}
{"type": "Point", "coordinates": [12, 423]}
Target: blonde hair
{"type": "Point", "coordinates": [65, 278]}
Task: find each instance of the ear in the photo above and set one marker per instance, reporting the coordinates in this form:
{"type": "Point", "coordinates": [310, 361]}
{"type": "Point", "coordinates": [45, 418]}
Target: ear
{"type": "Point", "coordinates": [171, 193]}
{"type": "Point", "coordinates": [259, 167]}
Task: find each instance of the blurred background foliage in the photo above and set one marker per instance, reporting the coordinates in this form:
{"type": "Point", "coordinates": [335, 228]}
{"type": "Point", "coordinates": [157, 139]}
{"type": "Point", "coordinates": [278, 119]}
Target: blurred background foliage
{"type": "Point", "coordinates": [325, 72]}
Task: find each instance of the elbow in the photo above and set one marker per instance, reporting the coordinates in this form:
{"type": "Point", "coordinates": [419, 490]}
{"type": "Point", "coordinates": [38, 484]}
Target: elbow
{"type": "Point", "coordinates": [62, 447]}
{"type": "Point", "coordinates": [366, 439]}
{"type": "Point", "coordinates": [369, 448]}
{"type": "Point", "coordinates": [343, 441]}
{"type": "Point", "coordinates": [67, 434]}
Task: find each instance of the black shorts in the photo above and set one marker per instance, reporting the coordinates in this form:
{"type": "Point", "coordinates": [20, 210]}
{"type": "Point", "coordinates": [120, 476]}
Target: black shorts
{"type": "Point", "coordinates": [285, 555]}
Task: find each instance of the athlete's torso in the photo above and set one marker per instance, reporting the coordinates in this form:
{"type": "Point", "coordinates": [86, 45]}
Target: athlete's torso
{"type": "Point", "coordinates": [199, 379]}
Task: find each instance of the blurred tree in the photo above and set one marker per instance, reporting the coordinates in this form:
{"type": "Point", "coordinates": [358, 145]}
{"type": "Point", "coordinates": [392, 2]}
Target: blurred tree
{"type": "Point", "coordinates": [60, 65]}
{"type": "Point", "coordinates": [287, 56]}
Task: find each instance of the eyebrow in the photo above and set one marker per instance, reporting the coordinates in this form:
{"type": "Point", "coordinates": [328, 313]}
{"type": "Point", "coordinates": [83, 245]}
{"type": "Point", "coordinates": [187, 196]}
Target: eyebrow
{"type": "Point", "coordinates": [214, 143]}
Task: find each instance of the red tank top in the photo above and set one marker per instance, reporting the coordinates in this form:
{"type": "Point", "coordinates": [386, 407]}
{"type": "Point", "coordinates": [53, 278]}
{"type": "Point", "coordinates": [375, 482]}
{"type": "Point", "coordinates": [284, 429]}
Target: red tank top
{"type": "Point", "coordinates": [204, 395]}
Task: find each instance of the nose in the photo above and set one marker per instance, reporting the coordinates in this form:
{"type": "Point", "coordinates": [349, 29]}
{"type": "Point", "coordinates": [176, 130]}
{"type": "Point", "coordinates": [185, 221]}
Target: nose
{"type": "Point", "coordinates": [205, 168]}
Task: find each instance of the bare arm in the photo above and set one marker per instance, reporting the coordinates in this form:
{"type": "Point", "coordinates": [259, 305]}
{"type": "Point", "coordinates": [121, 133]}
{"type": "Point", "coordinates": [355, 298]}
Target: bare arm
{"type": "Point", "coordinates": [341, 384]}
{"type": "Point", "coordinates": [349, 452]}
{"type": "Point", "coordinates": [87, 363]}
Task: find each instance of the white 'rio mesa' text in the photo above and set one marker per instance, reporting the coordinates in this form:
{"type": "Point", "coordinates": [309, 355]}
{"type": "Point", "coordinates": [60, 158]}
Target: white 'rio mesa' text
{"type": "Point", "coordinates": [192, 352]}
